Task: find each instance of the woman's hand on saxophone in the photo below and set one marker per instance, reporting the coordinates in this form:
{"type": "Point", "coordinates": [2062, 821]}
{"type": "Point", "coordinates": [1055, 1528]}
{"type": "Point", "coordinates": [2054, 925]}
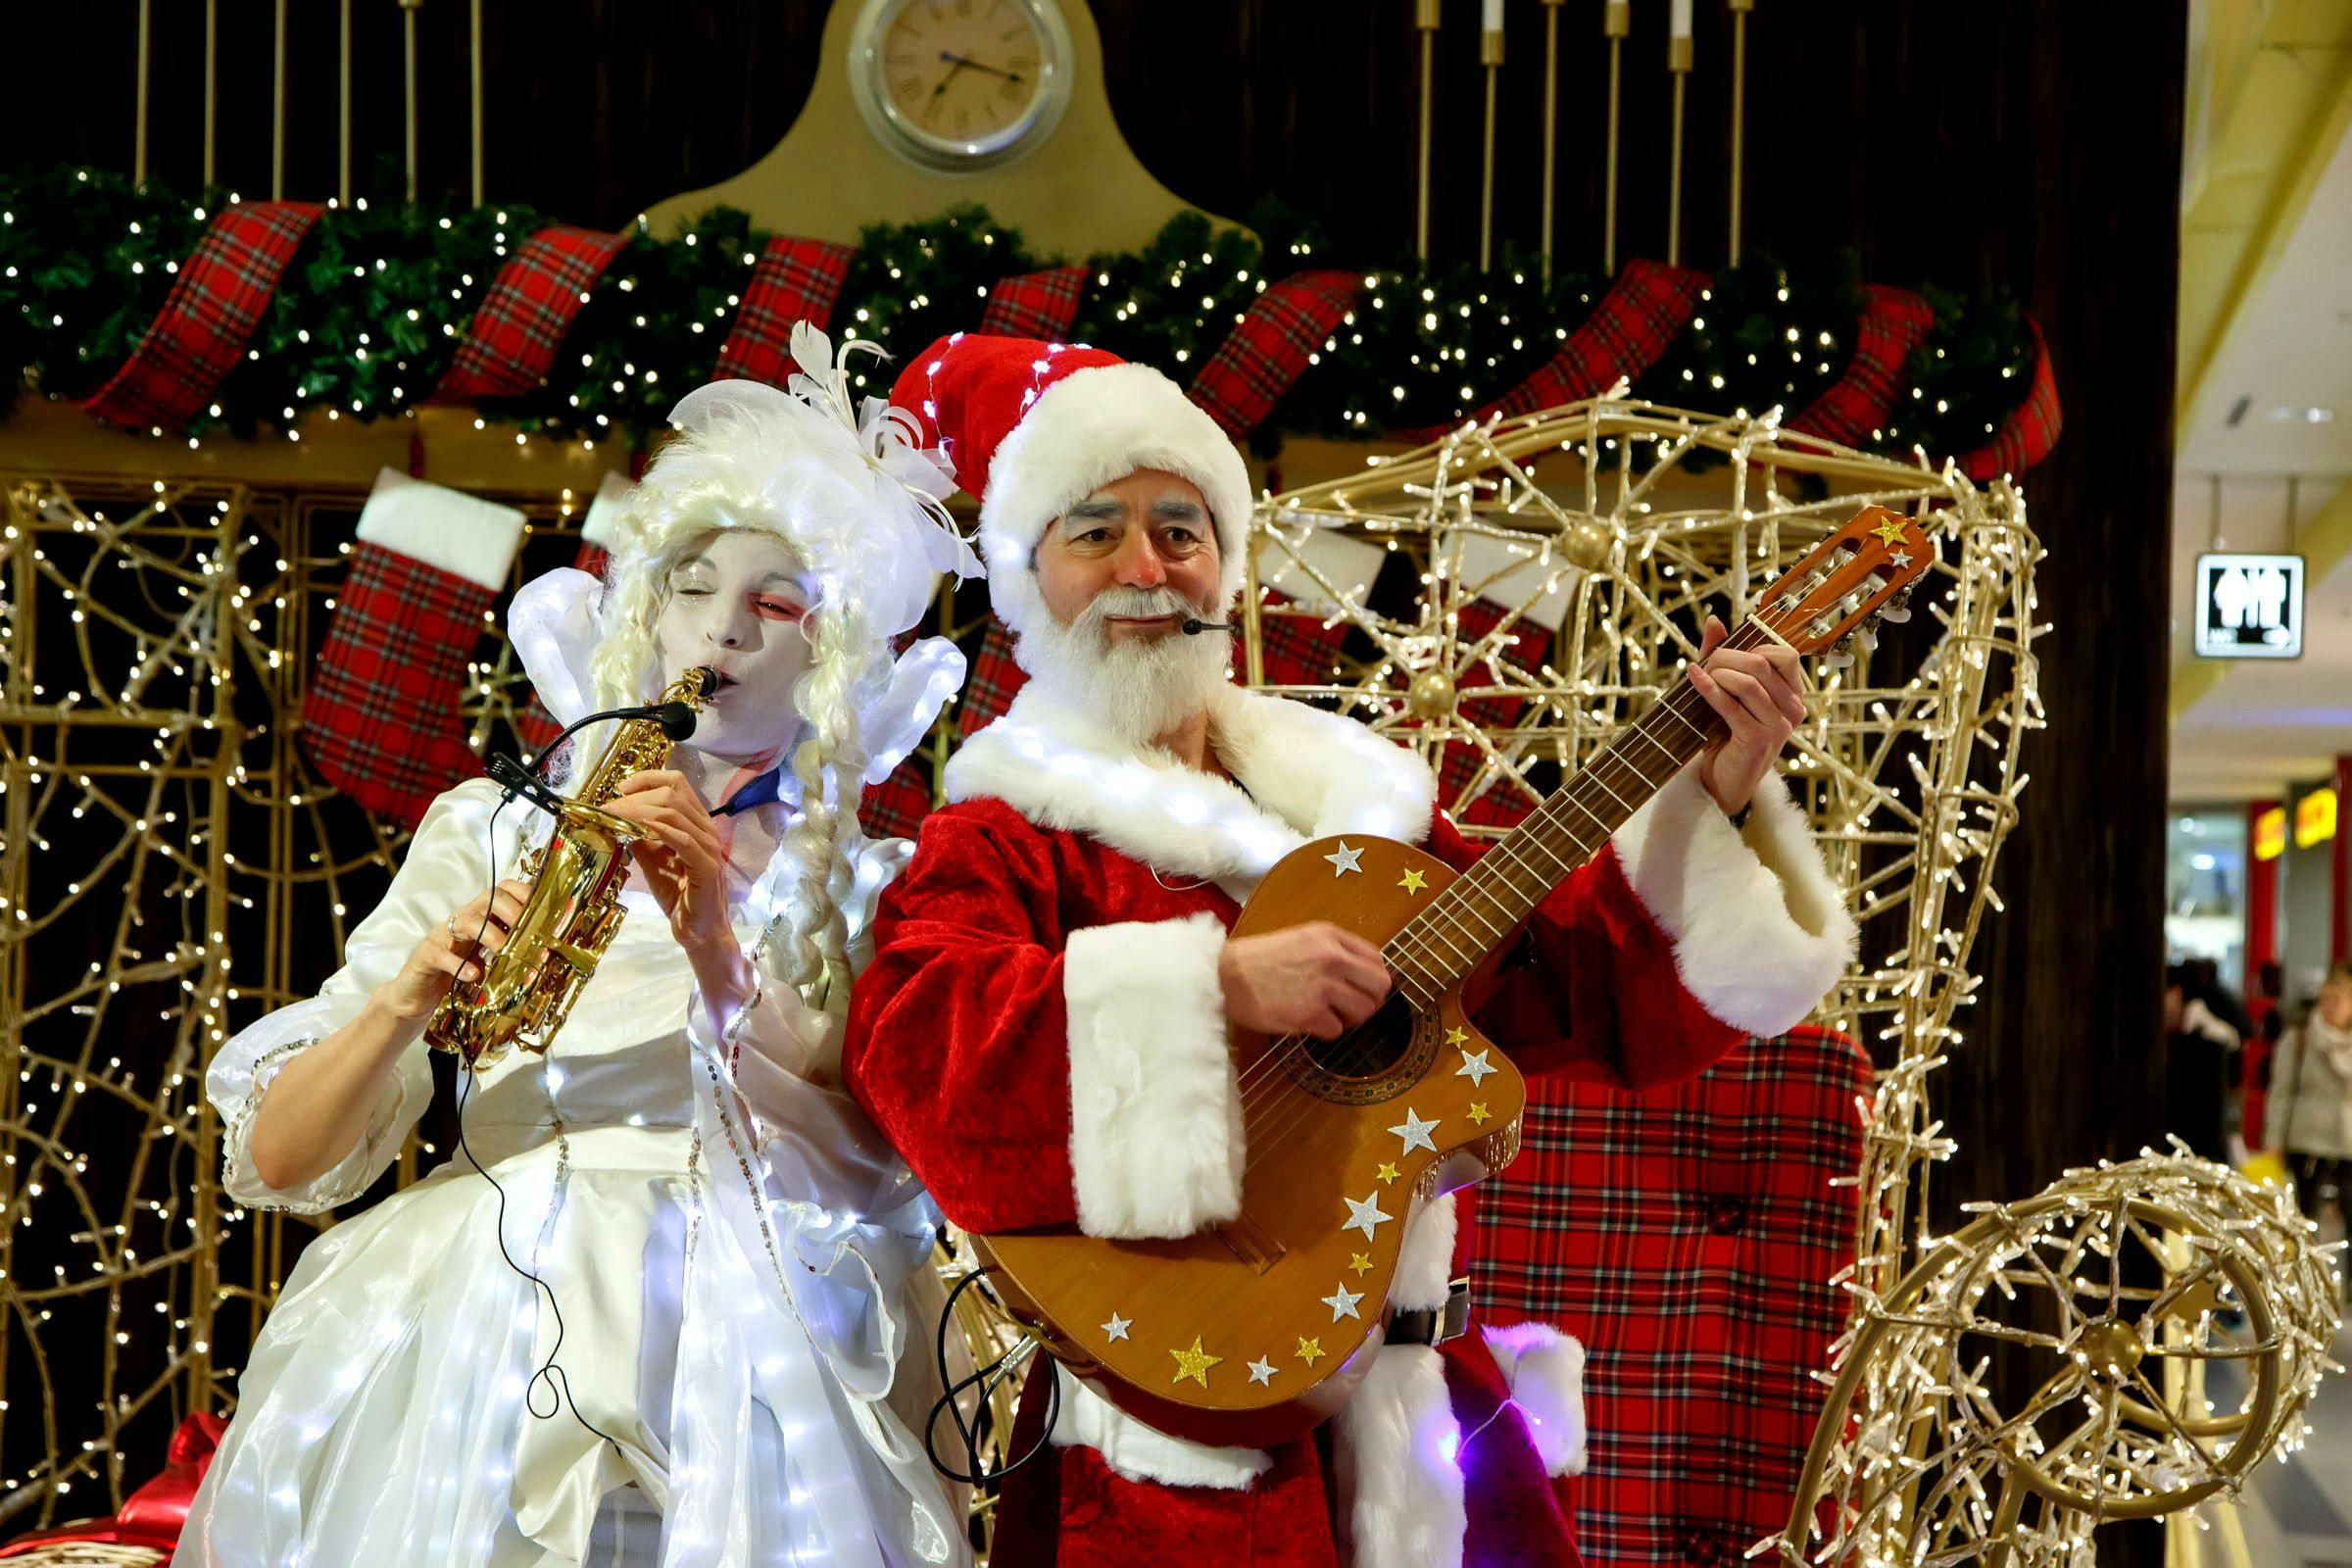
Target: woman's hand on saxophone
{"type": "Point", "coordinates": [452, 950]}
{"type": "Point", "coordinates": [686, 866]}
{"type": "Point", "coordinates": [316, 1111]}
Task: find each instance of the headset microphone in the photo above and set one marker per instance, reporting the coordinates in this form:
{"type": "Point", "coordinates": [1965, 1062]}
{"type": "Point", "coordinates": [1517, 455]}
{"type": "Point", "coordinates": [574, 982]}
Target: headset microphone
{"type": "Point", "coordinates": [1194, 628]}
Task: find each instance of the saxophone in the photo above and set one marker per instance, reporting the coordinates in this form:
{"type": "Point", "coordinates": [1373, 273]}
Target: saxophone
{"type": "Point", "coordinates": [572, 913]}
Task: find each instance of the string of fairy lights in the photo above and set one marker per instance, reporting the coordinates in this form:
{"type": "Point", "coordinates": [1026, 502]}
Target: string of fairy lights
{"type": "Point", "coordinates": [370, 314]}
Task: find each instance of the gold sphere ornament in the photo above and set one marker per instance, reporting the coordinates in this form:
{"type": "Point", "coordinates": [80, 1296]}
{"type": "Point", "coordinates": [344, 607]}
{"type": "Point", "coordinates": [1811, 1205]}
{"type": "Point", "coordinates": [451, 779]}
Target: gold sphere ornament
{"type": "Point", "coordinates": [1431, 695]}
{"type": "Point", "coordinates": [1586, 542]}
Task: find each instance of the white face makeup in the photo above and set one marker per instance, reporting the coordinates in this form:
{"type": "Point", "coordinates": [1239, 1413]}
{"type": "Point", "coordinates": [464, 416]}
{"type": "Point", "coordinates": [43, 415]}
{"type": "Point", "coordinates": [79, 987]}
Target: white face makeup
{"type": "Point", "coordinates": [735, 604]}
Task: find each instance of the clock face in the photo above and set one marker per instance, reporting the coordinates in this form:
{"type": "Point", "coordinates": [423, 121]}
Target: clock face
{"type": "Point", "coordinates": [960, 84]}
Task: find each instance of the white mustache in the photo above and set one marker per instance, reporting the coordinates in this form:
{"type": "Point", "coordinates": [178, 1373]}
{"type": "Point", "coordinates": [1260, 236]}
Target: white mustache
{"type": "Point", "coordinates": [1138, 603]}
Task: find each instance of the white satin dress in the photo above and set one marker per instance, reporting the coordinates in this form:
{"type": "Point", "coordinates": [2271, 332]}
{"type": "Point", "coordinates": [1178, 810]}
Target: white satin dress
{"type": "Point", "coordinates": [733, 1287]}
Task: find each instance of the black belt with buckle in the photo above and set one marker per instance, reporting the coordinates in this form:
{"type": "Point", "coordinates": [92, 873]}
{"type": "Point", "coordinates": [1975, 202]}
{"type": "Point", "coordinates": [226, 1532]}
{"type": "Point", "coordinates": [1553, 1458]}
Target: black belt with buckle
{"type": "Point", "coordinates": [1424, 1326]}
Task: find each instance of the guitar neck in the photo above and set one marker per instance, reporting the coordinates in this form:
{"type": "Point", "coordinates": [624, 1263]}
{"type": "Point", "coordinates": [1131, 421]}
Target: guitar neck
{"type": "Point", "coordinates": [1479, 908]}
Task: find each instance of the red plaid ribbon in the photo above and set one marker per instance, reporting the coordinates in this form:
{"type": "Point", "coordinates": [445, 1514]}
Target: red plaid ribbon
{"type": "Point", "coordinates": [1500, 805]}
{"type": "Point", "coordinates": [2029, 433]}
{"type": "Point", "coordinates": [1863, 399]}
{"type": "Point", "coordinates": [1686, 1235]}
{"type": "Point", "coordinates": [207, 319]}
{"type": "Point", "coordinates": [897, 807]}
{"type": "Point", "coordinates": [511, 343]}
{"type": "Point", "coordinates": [1295, 647]}
{"type": "Point", "coordinates": [988, 690]}
{"type": "Point", "coordinates": [796, 280]}
{"type": "Point", "coordinates": [1034, 304]}
{"type": "Point", "coordinates": [1267, 349]}
{"type": "Point", "coordinates": [380, 719]}
{"type": "Point", "coordinates": [1644, 310]}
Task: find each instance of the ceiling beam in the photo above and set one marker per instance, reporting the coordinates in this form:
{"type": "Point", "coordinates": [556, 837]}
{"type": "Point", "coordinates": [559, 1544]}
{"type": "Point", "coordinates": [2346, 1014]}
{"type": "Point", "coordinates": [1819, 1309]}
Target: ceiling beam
{"type": "Point", "coordinates": [2281, 117]}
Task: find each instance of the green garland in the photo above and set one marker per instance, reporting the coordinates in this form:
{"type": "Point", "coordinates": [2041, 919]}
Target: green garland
{"type": "Point", "coordinates": [379, 295]}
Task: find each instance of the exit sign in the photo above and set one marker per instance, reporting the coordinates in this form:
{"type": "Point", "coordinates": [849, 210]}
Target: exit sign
{"type": "Point", "coordinates": [2250, 607]}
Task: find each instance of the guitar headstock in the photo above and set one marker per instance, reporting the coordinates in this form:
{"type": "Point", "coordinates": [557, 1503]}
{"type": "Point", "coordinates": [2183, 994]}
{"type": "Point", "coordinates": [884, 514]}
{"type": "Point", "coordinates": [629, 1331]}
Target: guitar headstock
{"type": "Point", "coordinates": [1861, 573]}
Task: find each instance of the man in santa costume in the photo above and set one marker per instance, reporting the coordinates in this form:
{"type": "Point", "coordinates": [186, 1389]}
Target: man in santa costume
{"type": "Point", "coordinates": [1042, 1031]}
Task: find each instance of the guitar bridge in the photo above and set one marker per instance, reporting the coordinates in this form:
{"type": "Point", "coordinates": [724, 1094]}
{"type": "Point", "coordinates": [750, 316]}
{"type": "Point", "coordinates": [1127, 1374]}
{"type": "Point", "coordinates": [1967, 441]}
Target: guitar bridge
{"type": "Point", "coordinates": [1251, 1242]}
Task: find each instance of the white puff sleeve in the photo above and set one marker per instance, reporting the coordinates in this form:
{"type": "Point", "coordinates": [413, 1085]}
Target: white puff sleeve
{"type": "Point", "coordinates": [448, 862]}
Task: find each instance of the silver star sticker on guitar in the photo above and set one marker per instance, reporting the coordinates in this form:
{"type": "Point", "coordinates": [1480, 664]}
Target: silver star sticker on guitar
{"type": "Point", "coordinates": [1364, 1214]}
{"type": "Point", "coordinates": [1118, 1326]}
{"type": "Point", "coordinates": [1342, 1302]}
{"type": "Point", "coordinates": [1261, 1370]}
{"type": "Point", "coordinates": [1475, 1067]}
{"type": "Point", "coordinates": [1344, 859]}
{"type": "Point", "coordinates": [1415, 1132]}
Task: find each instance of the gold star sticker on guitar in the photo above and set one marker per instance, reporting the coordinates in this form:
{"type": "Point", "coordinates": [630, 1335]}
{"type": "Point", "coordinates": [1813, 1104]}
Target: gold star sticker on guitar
{"type": "Point", "coordinates": [1412, 882]}
{"type": "Point", "coordinates": [1194, 1363]}
{"type": "Point", "coordinates": [1387, 1171]}
{"type": "Point", "coordinates": [1309, 1350]}
{"type": "Point", "coordinates": [1457, 1038]}
{"type": "Point", "coordinates": [1891, 530]}
{"type": "Point", "coordinates": [1479, 1114]}
{"type": "Point", "coordinates": [1361, 1262]}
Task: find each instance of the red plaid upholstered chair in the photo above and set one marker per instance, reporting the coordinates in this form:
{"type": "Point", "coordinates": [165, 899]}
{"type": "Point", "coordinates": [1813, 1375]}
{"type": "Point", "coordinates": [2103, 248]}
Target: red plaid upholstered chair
{"type": "Point", "coordinates": [1686, 1236]}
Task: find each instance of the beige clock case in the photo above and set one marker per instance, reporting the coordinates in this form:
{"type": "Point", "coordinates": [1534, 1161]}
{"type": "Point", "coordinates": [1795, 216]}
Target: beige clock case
{"type": "Point", "coordinates": [1080, 190]}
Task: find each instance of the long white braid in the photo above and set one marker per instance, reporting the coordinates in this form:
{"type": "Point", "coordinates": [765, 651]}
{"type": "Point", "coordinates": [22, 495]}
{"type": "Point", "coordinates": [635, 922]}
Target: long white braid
{"type": "Point", "coordinates": [808, 942]}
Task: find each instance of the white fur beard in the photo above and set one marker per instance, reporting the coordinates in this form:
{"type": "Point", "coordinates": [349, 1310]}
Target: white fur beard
{"type": "Point", "coordinates": [1140, 691]}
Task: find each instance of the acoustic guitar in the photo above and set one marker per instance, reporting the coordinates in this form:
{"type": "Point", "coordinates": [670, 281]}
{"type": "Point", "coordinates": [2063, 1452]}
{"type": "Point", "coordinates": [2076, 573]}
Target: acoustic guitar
{"type": "Point", "coordinates": [1253, 1332]}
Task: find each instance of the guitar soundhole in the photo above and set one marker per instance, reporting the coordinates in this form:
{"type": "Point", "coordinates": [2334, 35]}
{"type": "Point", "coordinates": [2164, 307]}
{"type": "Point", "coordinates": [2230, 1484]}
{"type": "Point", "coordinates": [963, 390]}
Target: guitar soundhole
{"type": "Point", "coordinates": [1373, 1062]}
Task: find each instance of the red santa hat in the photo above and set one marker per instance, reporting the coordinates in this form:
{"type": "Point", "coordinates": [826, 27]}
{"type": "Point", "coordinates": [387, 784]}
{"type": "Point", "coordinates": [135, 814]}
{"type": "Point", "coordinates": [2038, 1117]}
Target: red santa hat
{"type": "Point", "coordinates": [1033, 428]}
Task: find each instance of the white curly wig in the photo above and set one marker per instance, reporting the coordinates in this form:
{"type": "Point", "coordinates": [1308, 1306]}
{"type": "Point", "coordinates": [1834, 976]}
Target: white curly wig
{"type": "Point", "coordinates": [858, 506]}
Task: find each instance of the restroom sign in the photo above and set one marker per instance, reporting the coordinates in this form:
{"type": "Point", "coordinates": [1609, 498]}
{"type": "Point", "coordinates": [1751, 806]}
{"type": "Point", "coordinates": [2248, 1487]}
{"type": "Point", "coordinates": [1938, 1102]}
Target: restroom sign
{"type": "Point", "coordinates": [2250, 607]}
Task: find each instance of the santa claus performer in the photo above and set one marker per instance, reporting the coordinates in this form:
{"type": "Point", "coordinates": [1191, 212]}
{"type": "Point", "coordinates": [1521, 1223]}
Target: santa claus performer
{"type": "Point", "coordinates": [1042, 1029]}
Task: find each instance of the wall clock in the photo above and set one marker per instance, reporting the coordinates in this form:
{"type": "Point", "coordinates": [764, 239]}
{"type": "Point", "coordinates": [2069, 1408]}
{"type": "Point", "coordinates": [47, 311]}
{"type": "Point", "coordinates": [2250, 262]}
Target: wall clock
{"type": "Point", "coordinates": [961, 85]}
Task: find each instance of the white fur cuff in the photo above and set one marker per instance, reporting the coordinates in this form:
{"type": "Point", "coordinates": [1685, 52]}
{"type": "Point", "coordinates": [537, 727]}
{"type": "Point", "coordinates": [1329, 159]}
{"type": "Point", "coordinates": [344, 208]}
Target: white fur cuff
{"type": "Point", "coordinates": [444, 528]}
{"type": "Point", "coordinates": [1156, 1120]}
{"type": "Point", "coordinates": [1142, 1453]}
{"type": "Point", "coordinates": [1395, 1446]}
{"type": "Point", "coordinates": [1545, 1372]}
{"type": "Point", "coordinates": [1760, 932]}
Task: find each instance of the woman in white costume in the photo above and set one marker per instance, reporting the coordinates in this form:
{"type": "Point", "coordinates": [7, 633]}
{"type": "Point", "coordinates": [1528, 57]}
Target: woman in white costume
{"type": "Point", "coordinates": [730, 1246]}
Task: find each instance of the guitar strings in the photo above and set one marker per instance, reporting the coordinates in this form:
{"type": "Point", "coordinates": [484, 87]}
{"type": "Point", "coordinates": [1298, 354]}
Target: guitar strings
{"type": "Point", "coordinates": [1269, 1082]}
{"type": "Point", "coordinates": [1504, 852]}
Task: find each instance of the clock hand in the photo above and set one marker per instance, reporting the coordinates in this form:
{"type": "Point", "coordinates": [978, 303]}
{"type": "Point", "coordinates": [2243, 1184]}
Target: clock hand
{"type": "Point", "coordinates": [960, 60]}
{"type": "Point", "coordinates": [943, 83]}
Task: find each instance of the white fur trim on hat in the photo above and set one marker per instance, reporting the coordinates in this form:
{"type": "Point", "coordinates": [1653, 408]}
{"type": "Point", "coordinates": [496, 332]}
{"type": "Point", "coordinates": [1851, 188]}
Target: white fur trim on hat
{"type": "Point", "coordinates": [606, 510]}
{"type": "Point", "coordinates": [1544, 1370]}
{"type": "Point", "coordinates": [1091, 428]}
{"type": "Point", "coordinates": [1760, 932]}
{"type": "Point", "coordinates": [446, 530]}
{"type": "Point", "coordinates": [1155, 1121]}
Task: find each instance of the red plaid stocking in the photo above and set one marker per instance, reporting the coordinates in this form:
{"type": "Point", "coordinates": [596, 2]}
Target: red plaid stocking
{"type": "Point", "coordinates": [380, 721]}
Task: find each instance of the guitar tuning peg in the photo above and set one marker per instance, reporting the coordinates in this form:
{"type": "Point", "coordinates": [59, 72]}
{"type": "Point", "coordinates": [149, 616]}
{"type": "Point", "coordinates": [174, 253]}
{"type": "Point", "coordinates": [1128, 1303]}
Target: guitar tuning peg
{"type": "Point", "coordinates": [1866, 638]}
{"type": "Point", "coordinates": [1841, 654]}
{"type": "Point", "coordinates": [1898, 609]}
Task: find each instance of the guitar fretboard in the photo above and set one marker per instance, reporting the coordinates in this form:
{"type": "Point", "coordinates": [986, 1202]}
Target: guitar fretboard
{"type": "Point", "coordinates": [1479, 908]}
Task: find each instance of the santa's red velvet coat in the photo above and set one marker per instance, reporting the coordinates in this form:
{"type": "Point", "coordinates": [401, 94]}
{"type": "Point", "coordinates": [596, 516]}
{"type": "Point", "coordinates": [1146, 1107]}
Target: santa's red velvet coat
{"type": "Point", "coordinates": [1041, 1033]}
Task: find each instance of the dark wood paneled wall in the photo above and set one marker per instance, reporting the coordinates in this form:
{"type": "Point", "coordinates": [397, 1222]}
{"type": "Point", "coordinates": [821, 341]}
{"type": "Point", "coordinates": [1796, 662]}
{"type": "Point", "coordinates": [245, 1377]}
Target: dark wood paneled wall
{"type": "Point", "coordinates": [2032, 146]}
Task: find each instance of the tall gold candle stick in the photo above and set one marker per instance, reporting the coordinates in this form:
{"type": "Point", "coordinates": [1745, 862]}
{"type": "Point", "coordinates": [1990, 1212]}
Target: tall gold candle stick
{"type": "Point", "coordinates": [212, 81]}
{"type": "Point", "coordinates": [407, 19]}
{"type": "Point", "coordinates": [1677, 66]}
{"type": "Point", "coordinates": [343, 108]}
{"type": "Point", "coordinates": [1616, 20]}
{"type": "Point", "coordinates": [1552, 115]}
{"type": "Point", "coordinates": [138, 134]}
{"type": "Point", "coordinates": [1425, 17]}
{"type": "Point", "coordinates": [1489, 55]}
{"type": "Point", "coordinates": [477, 103]}
{"type": "Point", "coordinates": [1739, 11]}
{"type": "Point", "coordinates": [278, 107]}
